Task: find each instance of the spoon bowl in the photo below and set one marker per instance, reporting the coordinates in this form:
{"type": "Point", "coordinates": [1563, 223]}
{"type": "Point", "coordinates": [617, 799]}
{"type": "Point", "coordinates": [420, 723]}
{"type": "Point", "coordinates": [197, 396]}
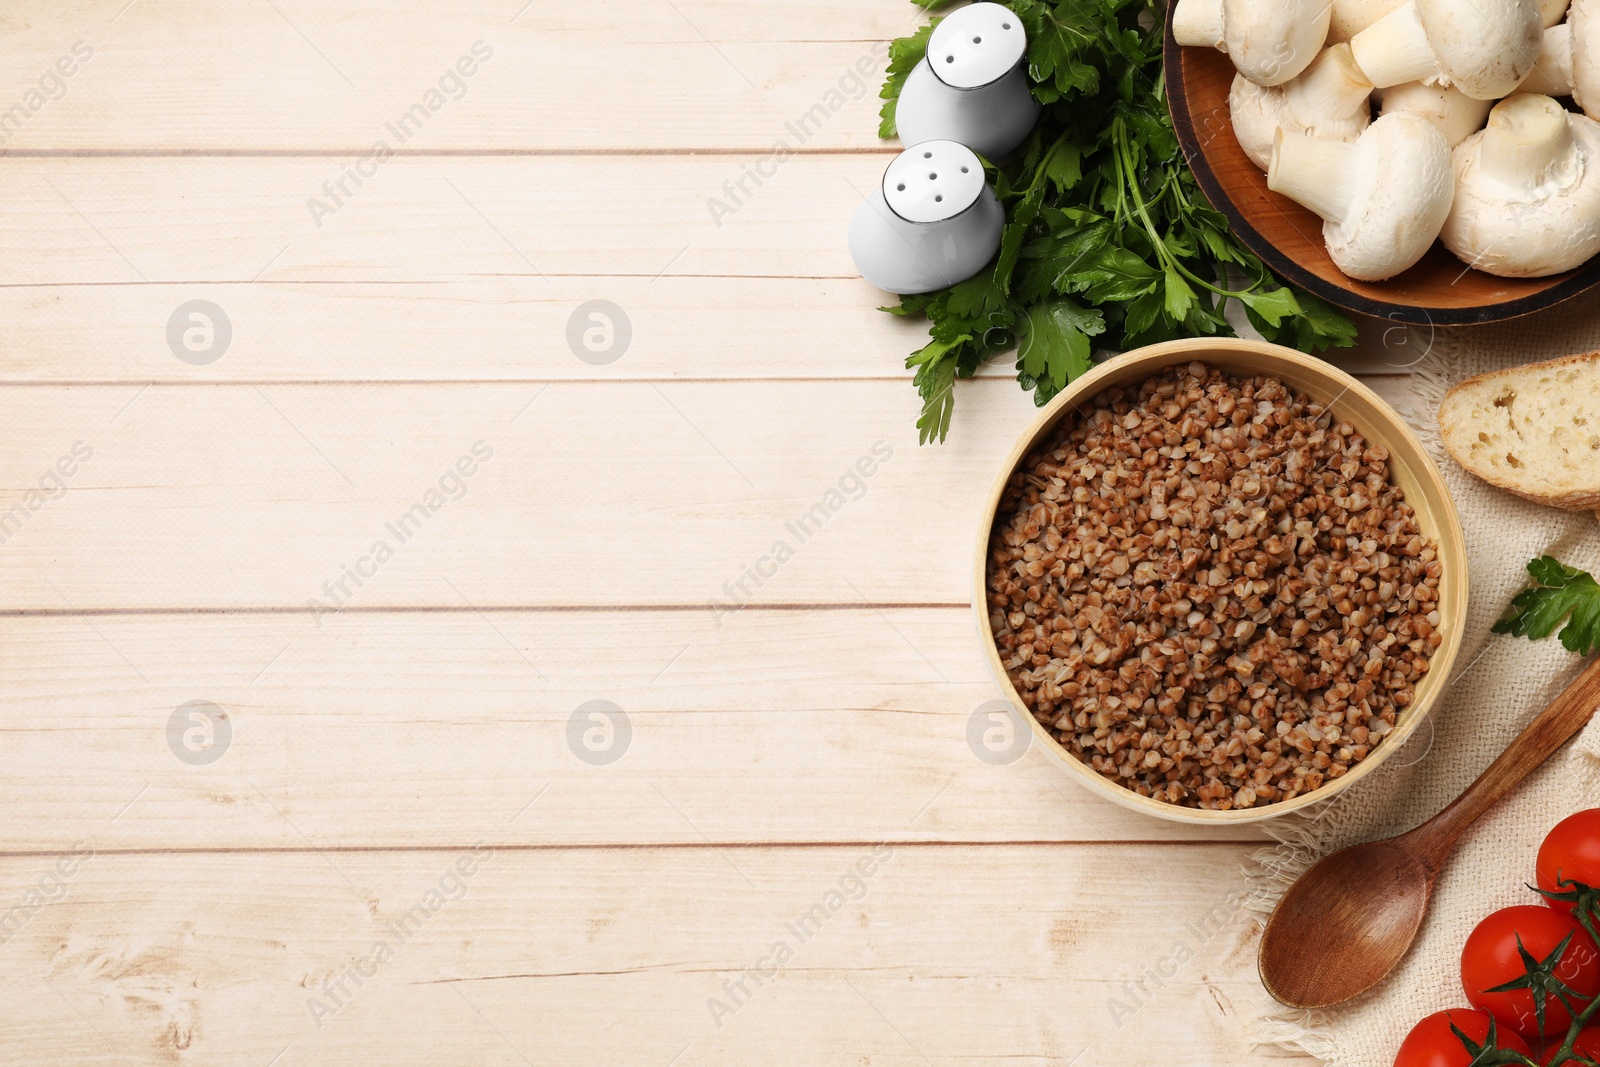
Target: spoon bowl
{"type": "Point", "coordinates": [1344, 924]}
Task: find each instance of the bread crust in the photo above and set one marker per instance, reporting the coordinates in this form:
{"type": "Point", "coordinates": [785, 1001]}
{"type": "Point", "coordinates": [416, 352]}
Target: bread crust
{"type": "Point", "coordinates": [1451, 425]}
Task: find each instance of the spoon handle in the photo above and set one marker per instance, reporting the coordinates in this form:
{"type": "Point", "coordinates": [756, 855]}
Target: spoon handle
{"type": "Point", "coordinates": [1553, 727]}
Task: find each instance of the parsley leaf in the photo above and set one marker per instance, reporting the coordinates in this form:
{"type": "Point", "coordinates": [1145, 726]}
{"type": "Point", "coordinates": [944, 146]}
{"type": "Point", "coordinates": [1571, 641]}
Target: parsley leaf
{"type": "Point", "coordinates": [1060, 37]}
{"type": "Point", "coordinates": [935, 381]}
{"type": "Point", "coordinates": [1556, 593]}
{"type": "Point", "coordinates": [904, 55]}
{"type": "Point", "coordinates": [1053, 345]}
{"type": "Point", "coordinates": [1107, 235]}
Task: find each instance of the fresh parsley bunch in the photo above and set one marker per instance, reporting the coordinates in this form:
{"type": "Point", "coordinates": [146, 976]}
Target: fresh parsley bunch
{"type": "Point", "coordinates": [1108, 242]}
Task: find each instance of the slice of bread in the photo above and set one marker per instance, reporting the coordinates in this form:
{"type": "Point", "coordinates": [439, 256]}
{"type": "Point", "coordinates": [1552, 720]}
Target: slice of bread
{"type": "Point", "coordinates": [1533, 430]}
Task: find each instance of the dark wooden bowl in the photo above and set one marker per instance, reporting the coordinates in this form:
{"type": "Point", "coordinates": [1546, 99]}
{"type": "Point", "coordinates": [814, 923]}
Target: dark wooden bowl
{"type": "Point", "coordinates": [1440, 290]}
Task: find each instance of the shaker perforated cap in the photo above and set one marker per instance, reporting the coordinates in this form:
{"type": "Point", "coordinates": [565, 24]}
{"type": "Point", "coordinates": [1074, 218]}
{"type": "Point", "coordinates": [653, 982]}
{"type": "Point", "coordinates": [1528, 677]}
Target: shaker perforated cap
{"type": "Point", "coordinates": [933, 181]}
{"type": "Point", "coordinates": [976, 45]}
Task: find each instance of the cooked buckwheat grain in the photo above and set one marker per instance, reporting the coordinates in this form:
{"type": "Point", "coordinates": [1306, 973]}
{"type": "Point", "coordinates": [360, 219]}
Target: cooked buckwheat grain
{"type": "Point", "coordinates": [1211, 591]}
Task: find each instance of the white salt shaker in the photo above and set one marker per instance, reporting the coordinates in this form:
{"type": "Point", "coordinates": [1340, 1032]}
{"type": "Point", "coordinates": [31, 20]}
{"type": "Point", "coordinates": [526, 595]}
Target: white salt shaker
{"type": "Point", "coordinates": [971, 87]}
{"type": "Point", "coordinates": [932, 222]}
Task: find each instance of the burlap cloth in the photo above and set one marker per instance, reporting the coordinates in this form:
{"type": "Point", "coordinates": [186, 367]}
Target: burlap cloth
{"type": "Point", "coordinates": [1497, 685]}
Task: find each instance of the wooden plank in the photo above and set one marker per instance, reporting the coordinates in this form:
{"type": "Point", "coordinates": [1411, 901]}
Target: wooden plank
{"type": "Point", "coordinates": [407, 730]}
{"type": "Point", "coordinates": [423, 219]}
{"type": "Point", "coordinates": [490, 329]}
{"type": "Point", "coordinates": [598, 494]}
{"type": "Point", "coordinates": [503, 329]}
{"type": "Point", "coordinates": [618, 956]}
{"type": "Point", "coordinates": [298, 76]}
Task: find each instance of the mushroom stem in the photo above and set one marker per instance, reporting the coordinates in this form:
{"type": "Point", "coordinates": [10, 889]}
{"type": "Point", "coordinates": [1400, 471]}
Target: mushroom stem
{"type": "Point", "coordinates": [1552, 74]}
{"type": "Point", "coordinates": [1333, 86]}
{"type": "Point", "coordinates": [1315, 172]}
{"type": "Point", "coordinates": [1527, 143]}
{"type": "Point", "coordinates": [1395, 49]}
{"type": "Point", "coordinates": [1198, 23]}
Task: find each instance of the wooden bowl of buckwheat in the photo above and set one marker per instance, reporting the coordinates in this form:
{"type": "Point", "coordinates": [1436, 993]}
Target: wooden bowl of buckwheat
{"type": "Point", "coordinates": [1222, 579]}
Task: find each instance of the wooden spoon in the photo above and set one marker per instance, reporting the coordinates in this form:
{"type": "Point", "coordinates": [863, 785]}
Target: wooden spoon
{"type": "Point", "coordinates": [1349, 920]}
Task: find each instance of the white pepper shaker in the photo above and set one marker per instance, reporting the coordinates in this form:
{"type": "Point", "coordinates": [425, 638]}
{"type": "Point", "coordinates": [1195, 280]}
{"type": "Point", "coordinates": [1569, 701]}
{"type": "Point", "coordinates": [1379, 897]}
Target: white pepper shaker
{"type": "Point", "coordinates": [971, 87]}
{"type": "Point", "coordinates": [932, 222]}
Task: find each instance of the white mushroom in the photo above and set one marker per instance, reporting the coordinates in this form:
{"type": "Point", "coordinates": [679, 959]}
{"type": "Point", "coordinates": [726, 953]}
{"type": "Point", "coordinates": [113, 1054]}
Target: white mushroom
{"type": "Point", "coordinates": [1569, 59]}
{"type": "Point", "coordinates": [1269, 41]}
{"type": "Point", "coordinates": [1527, 200]}
{"type": "Point", "coordinates": [1350, 17]}
{"type": "Point", "coordinates": [1482, 47]}
{"type": "Point", "coordinates": [1457, 115]}
{"type": "Point", "coordinates": [1328, 100]}
{"type": "Point", "coordinates": [1383, 199]}
{"type": "Point", "coordinates": [1552, 74]}
{"type": "Point", "coordinates": [1552, 12]}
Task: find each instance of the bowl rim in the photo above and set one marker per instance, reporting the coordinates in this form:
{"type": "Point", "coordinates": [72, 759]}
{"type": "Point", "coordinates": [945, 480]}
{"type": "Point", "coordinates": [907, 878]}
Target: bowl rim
{"type": "Point", "coordinates": [1578, 281]}
{"type": "Point", "coordinates": [1139, 364]}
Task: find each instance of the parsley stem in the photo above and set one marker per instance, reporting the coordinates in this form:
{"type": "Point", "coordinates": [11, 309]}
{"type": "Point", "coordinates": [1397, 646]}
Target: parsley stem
{"type": "Point", "coordinates": [1128, 179]}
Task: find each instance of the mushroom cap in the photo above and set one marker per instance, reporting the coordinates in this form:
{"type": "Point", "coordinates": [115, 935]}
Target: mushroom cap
{"type": "Point", "coordinates": [1350, 17]}
{"type": "Point", "coordinates": [1551, 12]}
{"type": "Point", "coordinates": [1457, 115]}
{"type": "Point", "coordinates": [1336, 129]}
{"type": "Point", "coordinates": [1257, 113]}
{"type": "Point", "coordinates": [1584, 18]}
{"type": "Point", "coordinates": [1403, 190]}
{"type": "Point", "coordinates": [1271, 41]}
{"type": "Point", "coordinates": [1483, 47]}
{"type": "Point", "coordinates": [1528, 233]}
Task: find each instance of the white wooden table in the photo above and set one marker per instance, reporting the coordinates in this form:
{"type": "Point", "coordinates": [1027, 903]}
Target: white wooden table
{"type": "Point", "coordinates": [272, 795]}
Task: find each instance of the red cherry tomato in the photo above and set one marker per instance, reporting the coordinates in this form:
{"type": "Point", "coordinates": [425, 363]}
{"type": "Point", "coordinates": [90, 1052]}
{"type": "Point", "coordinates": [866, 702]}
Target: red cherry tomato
{"type": "Point", "coordinates": [1588, 1043]}
{"type": "Point", "coordinates": [1432, 1044]}
{"type": "Point", "coordinates": [1490, 958]}
{"type": "Point", "coordinates": [1570, 851]}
